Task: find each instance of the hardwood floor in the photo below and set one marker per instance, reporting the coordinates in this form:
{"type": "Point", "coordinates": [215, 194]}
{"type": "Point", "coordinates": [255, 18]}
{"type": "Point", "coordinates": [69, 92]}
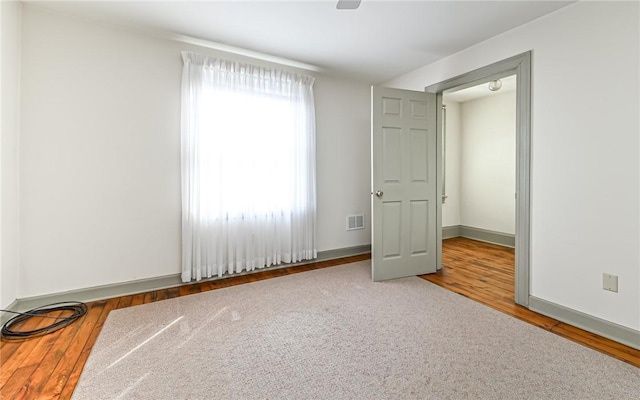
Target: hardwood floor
{"type": "Point", "coordinates": [485, 272]}
{"type": "Point", "coordinates": [48, 367]}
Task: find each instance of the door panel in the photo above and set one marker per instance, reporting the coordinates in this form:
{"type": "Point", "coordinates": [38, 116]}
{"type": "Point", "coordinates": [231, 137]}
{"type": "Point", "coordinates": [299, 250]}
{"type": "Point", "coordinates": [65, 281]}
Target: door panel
{"type": "Point", "coordinates": [419, 155]}
{"type": "Point", "coordinates": [419, 227]}
{"type": "Point", "coordinates": [403, 183]}
{"type": "Point", "coordinates": [392, 155]}
{"type": "Point", "coordinates": [392, 232]}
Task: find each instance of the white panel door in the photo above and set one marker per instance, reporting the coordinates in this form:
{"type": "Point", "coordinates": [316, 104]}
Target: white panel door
{"type": "Point", "coordinates": [403, 135]}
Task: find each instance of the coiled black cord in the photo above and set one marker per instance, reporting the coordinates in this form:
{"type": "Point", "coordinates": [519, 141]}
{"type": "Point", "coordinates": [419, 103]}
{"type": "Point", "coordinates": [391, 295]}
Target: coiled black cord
{"type": "Point", "coordinates": [77, 309]}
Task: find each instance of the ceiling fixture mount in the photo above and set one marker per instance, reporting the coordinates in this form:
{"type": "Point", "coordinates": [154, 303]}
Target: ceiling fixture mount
{"type": "Point", "coordinates": [494, 86]}
{"type": "Point", "coordinates": [348, 4]}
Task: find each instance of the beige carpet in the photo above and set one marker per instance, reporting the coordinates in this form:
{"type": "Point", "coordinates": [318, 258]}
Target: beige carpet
{"type": "Point", "coordinates": [334, 334]}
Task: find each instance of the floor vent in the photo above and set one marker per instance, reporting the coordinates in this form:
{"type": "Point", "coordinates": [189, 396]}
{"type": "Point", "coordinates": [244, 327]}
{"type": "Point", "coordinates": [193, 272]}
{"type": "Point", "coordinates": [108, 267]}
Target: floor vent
{"type": "Point", "coordinates": [355, 222]}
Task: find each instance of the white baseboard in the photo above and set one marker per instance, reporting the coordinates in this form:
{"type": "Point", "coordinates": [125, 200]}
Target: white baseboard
{"type": "Point", "coordinates": [151, 284]}
{"type": "Point", "coordinates": [610, 330]}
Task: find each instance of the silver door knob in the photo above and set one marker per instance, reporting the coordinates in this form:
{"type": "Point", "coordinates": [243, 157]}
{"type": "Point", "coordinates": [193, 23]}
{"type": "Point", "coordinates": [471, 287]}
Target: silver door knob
{"type": "Point", "coordinates": [379, 193]}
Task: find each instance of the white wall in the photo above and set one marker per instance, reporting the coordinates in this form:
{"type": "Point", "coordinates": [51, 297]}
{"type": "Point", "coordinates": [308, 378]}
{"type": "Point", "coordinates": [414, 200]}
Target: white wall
{"type": "Point", "coordinates": [343, 123]}
{"type": "Point", "coordinates": [585, 193]}
{"type": "Point", "coordinates": [100, 151]}
{"type": "Point", "coordinates": [9, 125]}
{"type": "Point", "coordinates": [488, 163]}
{"type": "Point", "coordinates": [451, 206]}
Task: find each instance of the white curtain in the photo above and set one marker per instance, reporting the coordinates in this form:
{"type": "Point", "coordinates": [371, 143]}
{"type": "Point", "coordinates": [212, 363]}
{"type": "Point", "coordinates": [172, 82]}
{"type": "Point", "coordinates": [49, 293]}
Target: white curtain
{"type": "Point", "coordinates": [248, 167]}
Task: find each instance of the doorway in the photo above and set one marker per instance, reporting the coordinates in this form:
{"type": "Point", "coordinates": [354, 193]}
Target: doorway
{"type": "Point", "coordinates": [478, 202]}
{"type": "Point", "coordinates": [520, 67]}
{"type": "Point", "coordinates": [479, 167]}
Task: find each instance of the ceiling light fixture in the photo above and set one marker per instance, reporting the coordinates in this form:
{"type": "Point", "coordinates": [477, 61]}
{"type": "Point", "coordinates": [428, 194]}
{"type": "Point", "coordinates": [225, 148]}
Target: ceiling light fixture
{"type": "Point", "coordinates": [348, 4]}
{"type": "Point", "coordinates": [494, 86]}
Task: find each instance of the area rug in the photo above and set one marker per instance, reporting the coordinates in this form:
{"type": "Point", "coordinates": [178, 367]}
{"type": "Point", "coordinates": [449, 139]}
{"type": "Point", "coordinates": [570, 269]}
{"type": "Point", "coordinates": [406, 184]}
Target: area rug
{"type": "Point", "coordinates": [334, 334]}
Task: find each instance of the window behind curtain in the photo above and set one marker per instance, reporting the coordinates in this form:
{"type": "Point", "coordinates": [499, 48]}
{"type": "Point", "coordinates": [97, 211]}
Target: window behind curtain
{"type": "Point", "coordinates": [249, 141]}
{"type": "Point", "coordinates": [248, 167]}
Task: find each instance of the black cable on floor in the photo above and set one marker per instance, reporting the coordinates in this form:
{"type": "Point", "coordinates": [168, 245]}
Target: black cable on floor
{"type": "Point", "coordinates": [77, 308]}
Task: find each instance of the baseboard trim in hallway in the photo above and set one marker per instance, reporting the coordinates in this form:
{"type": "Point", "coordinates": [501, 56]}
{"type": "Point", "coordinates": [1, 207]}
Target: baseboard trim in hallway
{"type": "Point", "coordinates": [483, 235]}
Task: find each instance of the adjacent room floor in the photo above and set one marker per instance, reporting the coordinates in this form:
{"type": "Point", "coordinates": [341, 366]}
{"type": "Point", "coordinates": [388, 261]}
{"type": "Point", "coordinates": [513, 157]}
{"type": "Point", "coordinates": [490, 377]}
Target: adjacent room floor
{"type": "Point", "coordinates": [485, 272]}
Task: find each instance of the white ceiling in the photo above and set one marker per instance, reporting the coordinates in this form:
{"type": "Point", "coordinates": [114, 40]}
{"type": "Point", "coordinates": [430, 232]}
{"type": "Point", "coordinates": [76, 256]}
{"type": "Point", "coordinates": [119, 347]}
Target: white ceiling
{"type": "Point", "coordinates": [375, 43]}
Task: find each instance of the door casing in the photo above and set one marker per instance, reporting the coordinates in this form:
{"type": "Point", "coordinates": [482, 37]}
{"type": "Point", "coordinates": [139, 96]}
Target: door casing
{"type": "Point", "coordinates": [519, 65]}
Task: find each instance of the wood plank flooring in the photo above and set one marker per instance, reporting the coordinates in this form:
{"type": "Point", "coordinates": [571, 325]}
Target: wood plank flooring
{"type": "Point", "coordinates": [48, 367]}
{"type": "Point", "coordinates": [485, 272]}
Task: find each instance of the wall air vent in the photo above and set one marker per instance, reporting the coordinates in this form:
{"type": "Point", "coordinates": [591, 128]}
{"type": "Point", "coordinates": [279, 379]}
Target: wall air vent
{"type": "Point", "coordinates": [355, 222]}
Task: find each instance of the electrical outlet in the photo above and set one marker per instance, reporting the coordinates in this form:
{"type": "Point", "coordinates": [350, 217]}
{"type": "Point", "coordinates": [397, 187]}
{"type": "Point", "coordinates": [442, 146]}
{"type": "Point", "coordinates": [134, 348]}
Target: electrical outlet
{"type": "Point", "coordinates": [610, 282]}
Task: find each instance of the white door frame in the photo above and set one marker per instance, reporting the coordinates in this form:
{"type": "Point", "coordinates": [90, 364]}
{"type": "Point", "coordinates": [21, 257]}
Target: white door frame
{"type": "Point", "coordinates": [520, 66]}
